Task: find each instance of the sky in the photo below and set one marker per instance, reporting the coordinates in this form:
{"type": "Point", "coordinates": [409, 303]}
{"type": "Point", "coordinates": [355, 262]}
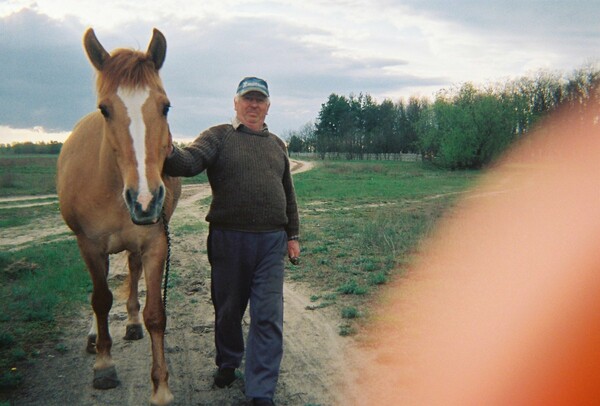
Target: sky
{"type": "Point", "coordinates": [305, 50]}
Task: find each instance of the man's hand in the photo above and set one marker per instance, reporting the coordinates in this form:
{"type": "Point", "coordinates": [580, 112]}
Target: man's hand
{"type": "Point", "coordinates": [294, 251]}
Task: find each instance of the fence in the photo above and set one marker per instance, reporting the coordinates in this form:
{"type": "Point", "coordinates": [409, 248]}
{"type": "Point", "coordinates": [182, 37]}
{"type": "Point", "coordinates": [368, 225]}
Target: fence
{"type": "Point", "coordinates": [408, 157]}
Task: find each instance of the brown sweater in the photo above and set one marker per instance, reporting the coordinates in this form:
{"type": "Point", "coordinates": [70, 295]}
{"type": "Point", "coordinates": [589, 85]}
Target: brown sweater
{"type": "Point", "coordinates": [249, 173]}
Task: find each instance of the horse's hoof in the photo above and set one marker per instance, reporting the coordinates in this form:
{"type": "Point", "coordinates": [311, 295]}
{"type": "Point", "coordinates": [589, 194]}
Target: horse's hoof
{"type": "Point", "coordinates": [106, 378]}
{"type": "Point", "coordinates": [162, 396]}
{"type": "Point", "coordinates": [90, 348]}
{"type": "Point", "coordinates": [134, 332]}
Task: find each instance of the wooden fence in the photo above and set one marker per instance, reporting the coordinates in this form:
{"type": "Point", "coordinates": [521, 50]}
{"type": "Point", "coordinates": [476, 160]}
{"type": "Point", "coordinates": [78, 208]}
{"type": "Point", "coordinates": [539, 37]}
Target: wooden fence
{"type": "Point", "coordinates": [408, 157]}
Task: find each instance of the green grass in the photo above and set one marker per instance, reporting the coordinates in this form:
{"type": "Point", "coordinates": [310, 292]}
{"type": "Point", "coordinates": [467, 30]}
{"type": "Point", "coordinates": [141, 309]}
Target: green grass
{"type": "Point", "coordinates": [36, 175]}
{"type": "Point", "coordinates": [201, 178]}
{"type": "Point", "coordinates": [15, 217]}
{"type": "Point", "coordinates": [361, 222]}
{"type": "Point", "coordinates": [27, 174]}
{"type": "Point", "coordinates": [38, 286]}
{"type": "Point", "coordinates": [376, 181]}
{"type": "Point", "coordinates": [350, 312]}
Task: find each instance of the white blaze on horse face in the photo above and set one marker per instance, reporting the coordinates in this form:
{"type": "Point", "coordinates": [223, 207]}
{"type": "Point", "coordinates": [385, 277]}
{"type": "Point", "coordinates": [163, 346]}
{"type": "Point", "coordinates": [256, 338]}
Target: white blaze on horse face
{"type": "Point", "coordinates": [134, 100]}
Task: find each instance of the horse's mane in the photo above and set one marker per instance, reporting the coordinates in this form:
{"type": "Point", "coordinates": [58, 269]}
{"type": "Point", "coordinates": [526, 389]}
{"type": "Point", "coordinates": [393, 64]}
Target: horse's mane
{"type": "Point", "coordinates": [127, 68]}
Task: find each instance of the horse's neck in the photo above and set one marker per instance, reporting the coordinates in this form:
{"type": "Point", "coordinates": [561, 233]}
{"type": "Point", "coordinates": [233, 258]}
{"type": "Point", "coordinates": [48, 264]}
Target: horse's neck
{"type": "Point", "coordinates": [108, 167]}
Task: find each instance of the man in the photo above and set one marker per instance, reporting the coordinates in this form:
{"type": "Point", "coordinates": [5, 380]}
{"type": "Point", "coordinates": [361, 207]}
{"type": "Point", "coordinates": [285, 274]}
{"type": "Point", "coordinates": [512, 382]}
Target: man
{"type": "Point", "coordinates": [253, 221]}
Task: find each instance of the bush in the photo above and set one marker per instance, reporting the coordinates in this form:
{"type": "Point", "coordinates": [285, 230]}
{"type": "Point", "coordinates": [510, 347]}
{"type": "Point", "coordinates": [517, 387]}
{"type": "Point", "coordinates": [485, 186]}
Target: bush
{"type": "Point", "coordinates": [352, 288]}
{"type": "Point", "coordinates": [349, 313]}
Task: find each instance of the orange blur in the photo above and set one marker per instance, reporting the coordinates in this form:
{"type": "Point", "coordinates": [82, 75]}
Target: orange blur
{"type": "Point", "coordinates": [503, 305]}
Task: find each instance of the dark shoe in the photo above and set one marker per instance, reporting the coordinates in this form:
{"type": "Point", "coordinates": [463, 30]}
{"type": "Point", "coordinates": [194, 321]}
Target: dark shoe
{"type": "Point", "coordinates": [225, 377]}
{"type": "Point", "coordinates": [262, 402]}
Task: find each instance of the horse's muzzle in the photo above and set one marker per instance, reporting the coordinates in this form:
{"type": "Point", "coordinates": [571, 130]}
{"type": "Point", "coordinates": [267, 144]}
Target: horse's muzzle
{"type": "Point", "coordinates": [149, 215]}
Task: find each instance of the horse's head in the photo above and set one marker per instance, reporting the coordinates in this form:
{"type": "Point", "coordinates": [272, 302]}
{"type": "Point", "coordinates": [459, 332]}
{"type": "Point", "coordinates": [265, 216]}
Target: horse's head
{"type": "Point", "coordinates": [134, 105]}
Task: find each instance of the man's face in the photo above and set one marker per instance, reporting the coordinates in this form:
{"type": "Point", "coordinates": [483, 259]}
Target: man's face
{"type": "Point", "coordinates": [251, 109]}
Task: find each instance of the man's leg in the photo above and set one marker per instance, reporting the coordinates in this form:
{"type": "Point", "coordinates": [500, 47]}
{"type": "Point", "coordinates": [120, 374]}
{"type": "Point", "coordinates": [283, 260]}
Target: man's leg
{"type": "Point", "coordinates": [265, 338]}
{"type": "Point", "coordinates": [230, 285]}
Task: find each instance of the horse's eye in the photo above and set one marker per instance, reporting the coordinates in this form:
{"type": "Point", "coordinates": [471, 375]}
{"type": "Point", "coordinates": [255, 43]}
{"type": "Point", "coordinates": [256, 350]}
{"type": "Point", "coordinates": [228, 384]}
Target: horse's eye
{"type": "Point", "coordinates": [166, 108]}
{"type": "Point", "coordinates": [104, 110]}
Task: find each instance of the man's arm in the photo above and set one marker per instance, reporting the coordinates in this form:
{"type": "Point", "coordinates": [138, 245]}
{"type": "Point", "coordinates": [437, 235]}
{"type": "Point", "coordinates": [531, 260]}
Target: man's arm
{"type": "Point", "coordinates": [196, 157]}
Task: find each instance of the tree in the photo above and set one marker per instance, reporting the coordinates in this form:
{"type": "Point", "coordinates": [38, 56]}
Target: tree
{"type": "Point", "coordinates": [467, 128]}
{"type": "Point", "coordinates": [333, 125]}
{"type": "Point", "coordinates": [295, 144]}
{"type": "Point", "coordinates": [385, 138]}
{"type": "Point", "coordinates": [464, 127]}
{"type": "Point", "coordinates": [412, 116]}
{"type": "Point", "coordinates": [302, 140]}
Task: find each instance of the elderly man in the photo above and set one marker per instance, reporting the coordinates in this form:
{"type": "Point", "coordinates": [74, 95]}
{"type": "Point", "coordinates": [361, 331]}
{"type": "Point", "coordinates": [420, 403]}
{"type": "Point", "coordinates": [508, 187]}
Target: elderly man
{"type": "Point", "coordinates": [254, 223]}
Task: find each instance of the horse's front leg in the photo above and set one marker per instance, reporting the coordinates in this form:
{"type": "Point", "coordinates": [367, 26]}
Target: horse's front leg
{"type": "Point", "coordinates": [134, 330]}
{"type": "Point", "coordinates": [105, 374]}
{"type": "Point", "coordinates": [92, 335]}
{"type": "Point", "coordinates": [155, 320]}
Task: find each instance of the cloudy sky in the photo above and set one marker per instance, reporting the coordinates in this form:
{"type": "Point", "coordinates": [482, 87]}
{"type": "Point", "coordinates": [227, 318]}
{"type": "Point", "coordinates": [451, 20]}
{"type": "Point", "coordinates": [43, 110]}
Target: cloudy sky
{"type": "Point", "coordinates": [306, 50]}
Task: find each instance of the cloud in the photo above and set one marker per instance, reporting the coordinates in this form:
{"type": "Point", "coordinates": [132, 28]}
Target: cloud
{"type": "Point", "coordinates": [558, 27]}
{"type": "Point", "coordinates": [306, 51]}
{"type": "Point", "coordinates": [35, 135]}
{"type": "Point", "coordinates": [44, 79]}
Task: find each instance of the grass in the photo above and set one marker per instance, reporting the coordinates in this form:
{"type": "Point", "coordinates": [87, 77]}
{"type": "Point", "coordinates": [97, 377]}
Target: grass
{"type": "Point", "coordinates": [27, 175]}
{"type": "Point", "coordinates": [15, 217]}
{"type": "Point", "coordinates": [362, 221]}
{"type": "Point", "coordinates": [376, 181]}
{"type": "Point", "coordinates": [36, 175]}
{"type": "Point", "coordinates": [350, 312]}
{"type": "Point", "coordinates": [38, 286]}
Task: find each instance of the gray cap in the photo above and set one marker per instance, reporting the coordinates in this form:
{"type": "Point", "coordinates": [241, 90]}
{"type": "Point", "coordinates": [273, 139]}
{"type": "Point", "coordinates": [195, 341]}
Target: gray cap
{"type": "Point", "coordinates": [252, 84]}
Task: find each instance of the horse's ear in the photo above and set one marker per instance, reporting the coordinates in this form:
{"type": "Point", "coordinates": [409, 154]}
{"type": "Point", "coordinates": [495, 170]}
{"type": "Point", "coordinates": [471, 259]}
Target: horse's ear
{"type": "Point", "coordinates": [157, 49]}
{"type": "Point", "coordinates": [95, 51]}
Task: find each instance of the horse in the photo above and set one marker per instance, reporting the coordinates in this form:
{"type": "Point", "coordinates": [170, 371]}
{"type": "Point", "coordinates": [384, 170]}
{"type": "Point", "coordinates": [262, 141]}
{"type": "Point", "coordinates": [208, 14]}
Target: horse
{"type": "Point", "coordinates": [114, 197]}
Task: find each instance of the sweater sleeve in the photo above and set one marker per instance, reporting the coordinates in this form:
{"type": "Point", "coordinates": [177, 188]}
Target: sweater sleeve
{"type": "Point", "coordinates": [293, 226]}
{"type": "Point", "coordinates": [196, 157]}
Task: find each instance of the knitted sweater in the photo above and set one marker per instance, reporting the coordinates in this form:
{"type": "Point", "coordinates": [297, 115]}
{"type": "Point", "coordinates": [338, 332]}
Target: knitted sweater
{"type": "Point", "coordinates": [249, 174]}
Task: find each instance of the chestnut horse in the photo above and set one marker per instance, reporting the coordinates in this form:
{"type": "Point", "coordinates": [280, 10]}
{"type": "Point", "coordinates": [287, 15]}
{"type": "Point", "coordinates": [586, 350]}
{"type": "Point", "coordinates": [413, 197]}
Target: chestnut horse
{"type": "Point", "coordinates": [114, 197]}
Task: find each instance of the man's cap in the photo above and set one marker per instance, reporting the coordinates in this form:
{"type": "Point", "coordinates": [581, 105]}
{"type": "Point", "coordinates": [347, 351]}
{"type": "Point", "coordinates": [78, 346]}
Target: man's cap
{"type": "Point", "coordinates": [252, 84]}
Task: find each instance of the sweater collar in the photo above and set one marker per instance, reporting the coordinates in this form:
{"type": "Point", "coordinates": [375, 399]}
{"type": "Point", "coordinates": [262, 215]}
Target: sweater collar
{"type": "Point", "coordinates": [237, 125]}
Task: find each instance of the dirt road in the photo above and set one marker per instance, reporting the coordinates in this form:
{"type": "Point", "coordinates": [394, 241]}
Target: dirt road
{"type": "Point", "coordinates": [313, 350]}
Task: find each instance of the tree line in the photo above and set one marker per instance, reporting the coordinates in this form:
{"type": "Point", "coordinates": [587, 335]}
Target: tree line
{"type": "Point", "coordinates": [464, 127]}
{"type": "Point", "coordinates": [22, 148]}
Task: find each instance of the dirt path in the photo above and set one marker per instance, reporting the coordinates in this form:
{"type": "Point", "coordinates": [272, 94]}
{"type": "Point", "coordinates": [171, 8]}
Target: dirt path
{"type": "Point", "coordinates": [313, 357]}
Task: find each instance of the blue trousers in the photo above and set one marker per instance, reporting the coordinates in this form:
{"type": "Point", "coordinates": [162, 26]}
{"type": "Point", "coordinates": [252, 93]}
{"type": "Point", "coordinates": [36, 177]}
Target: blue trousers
{"type": "Point", "coordinates": [249, 267]}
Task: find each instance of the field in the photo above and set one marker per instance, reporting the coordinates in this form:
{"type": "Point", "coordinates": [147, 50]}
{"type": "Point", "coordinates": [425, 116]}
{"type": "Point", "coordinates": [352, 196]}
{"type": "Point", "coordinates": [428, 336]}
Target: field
{"type": "Point", "coordinates": [27, 175]}
{"type": "Point", "coordinates": [361, 222]}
